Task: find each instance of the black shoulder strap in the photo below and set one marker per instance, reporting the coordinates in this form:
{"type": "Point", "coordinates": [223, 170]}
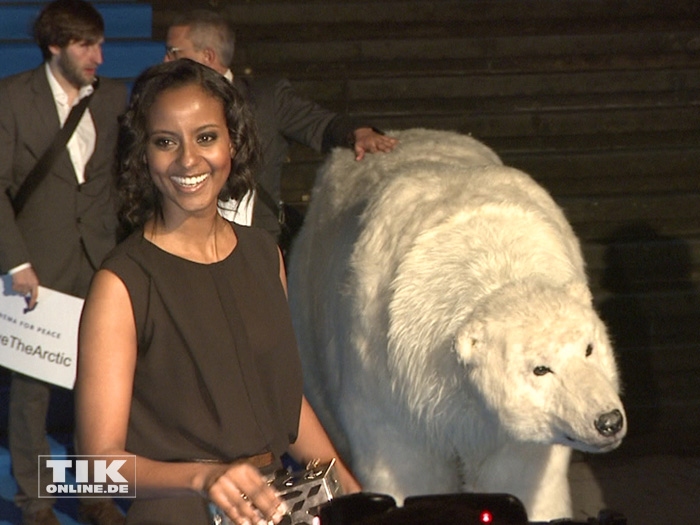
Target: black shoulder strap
{"type": "Point", "coordinates": [43, 165]}
{"type": "Point", "coordinates": [268, 201]}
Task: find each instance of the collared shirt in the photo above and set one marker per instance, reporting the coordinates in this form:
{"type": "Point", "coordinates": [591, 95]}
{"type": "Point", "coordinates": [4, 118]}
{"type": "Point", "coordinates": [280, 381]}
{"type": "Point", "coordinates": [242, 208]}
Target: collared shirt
{"type": "Point", "coordinates": [240, 212]}
{"type": "Point", "coordinates": [81, 145]}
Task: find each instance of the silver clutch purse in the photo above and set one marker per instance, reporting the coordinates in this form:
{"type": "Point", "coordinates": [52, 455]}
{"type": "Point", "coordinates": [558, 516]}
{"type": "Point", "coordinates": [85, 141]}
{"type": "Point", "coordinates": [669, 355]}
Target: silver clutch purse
{"type": "Point", "coordinates": [303, 492]}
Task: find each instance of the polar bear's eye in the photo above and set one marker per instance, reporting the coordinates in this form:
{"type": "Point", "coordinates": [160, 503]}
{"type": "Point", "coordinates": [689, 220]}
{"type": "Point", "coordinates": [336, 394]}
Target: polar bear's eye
{"type": "Point", "coordinates": [589, 349]}
{"type": "Point", "coordinates": [542, 370]}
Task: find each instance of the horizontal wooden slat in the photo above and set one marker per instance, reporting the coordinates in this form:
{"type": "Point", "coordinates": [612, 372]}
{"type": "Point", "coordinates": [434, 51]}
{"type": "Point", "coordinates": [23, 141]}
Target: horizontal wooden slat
{"type": "Point", "coordinates": [384, 52]}
{"type": "Point", "coordinates": [672, 99]}
{"type": "Point", "coordinates": [597, 83]}
{"type": "Point", "coordinates": [553, 13]}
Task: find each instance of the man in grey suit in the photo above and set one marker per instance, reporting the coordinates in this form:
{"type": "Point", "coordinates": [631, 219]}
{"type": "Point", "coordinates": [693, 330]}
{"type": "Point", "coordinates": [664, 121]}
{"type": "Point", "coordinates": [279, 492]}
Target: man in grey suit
{"type": "Point", "coordinates": [281, 115]}
{"type": "Point", "coordinates": [68, 223]}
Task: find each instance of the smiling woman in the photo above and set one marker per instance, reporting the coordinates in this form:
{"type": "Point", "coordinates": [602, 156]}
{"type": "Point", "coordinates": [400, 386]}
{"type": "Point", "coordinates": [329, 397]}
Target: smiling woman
{"type": "Point", "coordinates": [174, 108]}
{"type": "Point", "coordinates": [189, 152]}
{"type": "Point", "coordinates": [187, 354]}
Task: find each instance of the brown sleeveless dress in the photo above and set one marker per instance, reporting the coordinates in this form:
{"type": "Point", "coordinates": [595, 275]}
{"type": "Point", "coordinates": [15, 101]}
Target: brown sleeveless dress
{"type": "Point", "coordinates": [217, 373]}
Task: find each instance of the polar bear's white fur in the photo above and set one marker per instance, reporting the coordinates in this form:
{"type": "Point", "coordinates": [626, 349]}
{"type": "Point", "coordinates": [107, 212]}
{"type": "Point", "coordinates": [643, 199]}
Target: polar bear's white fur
{"type": "Point", "coordinates": [446, 328]}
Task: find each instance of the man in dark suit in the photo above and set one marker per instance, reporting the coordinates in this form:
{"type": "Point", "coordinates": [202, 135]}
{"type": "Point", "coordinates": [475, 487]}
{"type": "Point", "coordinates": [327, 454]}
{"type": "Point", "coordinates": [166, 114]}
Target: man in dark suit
{"type": "Point", "coordinates": [68, 223]}
{"type": "Point", "coordinates": [281, 115]}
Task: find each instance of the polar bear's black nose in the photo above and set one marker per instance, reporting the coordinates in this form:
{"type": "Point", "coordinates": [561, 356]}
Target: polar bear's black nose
{"type": "Point", "coordinates": [609, 423]}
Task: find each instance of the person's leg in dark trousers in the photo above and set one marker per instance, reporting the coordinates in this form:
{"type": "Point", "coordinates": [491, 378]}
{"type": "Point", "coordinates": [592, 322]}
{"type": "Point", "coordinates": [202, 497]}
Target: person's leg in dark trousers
{"type": "Point", "coordinates": [29, 405]}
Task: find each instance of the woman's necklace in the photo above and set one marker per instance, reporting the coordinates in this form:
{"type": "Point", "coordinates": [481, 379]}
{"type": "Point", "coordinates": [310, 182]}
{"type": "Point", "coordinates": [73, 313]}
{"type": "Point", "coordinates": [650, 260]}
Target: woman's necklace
{"type": "Point", "coordinates": [157, 239]}
{"type": "Point", "coordinates": [216, 244]}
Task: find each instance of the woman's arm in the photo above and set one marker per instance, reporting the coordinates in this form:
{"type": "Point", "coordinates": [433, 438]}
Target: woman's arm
{"type": "Point", "coordinates": [106, 363]}
{"type": "Point", "coordinates": [107, 359]}
{"type": "Point", "coordinates": [283, 273]}
{"type": "Point", "coordinates": [313, 443]}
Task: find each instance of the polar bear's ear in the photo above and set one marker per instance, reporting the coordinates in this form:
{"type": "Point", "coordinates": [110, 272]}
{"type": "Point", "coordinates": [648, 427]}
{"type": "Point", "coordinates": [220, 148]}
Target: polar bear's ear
{"type": "Point", "coordinates": [581, 291]}
{"type": "Point", "coordinates": [468, 340]}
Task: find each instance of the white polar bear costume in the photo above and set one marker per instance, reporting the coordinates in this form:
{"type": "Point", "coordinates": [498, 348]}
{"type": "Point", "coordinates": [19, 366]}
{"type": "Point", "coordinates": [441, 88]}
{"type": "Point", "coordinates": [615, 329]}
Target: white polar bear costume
{"type": "Point", "coordinates": [446, 328]}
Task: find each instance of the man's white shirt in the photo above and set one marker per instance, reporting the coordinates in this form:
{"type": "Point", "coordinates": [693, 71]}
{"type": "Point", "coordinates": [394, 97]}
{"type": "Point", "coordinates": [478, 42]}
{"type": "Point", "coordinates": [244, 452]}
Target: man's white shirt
{"type": "Point", "coordinates": [240, 212]}
{"type": "Point", "coordinates": [81, 145]}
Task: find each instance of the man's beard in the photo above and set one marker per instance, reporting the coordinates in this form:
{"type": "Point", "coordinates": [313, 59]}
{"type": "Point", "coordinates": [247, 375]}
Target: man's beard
{"type": "Point", "coordinates": [72, 72]}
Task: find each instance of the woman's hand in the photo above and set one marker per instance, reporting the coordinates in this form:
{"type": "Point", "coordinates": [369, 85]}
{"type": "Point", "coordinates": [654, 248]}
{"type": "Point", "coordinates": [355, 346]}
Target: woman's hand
{"type": "Point", "coordinates": [241, 492]}
{"type": "Point", "coordinates": [314, 444]}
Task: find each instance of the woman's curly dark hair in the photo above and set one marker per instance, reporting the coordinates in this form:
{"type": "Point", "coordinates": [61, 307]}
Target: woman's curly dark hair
{"type": "Point", "coordinates": [138, 197]}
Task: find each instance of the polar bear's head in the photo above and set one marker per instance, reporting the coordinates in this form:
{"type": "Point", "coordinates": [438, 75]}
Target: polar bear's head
{"type": "Point", "coordinates": [540, 358]}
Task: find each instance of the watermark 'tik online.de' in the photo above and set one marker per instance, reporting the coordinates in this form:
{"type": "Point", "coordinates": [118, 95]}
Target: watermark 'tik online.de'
{"type": "Point", "coordinates": [86, 476]}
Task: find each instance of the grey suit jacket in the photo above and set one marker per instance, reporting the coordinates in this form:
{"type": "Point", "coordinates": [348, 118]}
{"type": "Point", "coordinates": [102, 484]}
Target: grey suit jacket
{"type": "Point", "coordinates": [63, 222]}
{"type": "Point", "coordinates": [282, 115]}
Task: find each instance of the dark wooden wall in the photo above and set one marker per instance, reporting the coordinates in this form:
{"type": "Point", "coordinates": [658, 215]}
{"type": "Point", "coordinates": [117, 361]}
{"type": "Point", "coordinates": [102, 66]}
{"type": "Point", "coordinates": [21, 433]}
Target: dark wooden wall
{"type": "Point", "coordinates": [598, 99]}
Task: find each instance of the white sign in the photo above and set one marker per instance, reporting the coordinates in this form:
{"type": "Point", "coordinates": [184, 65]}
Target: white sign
{"type": "Point", "coordinates": [41, 343]}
